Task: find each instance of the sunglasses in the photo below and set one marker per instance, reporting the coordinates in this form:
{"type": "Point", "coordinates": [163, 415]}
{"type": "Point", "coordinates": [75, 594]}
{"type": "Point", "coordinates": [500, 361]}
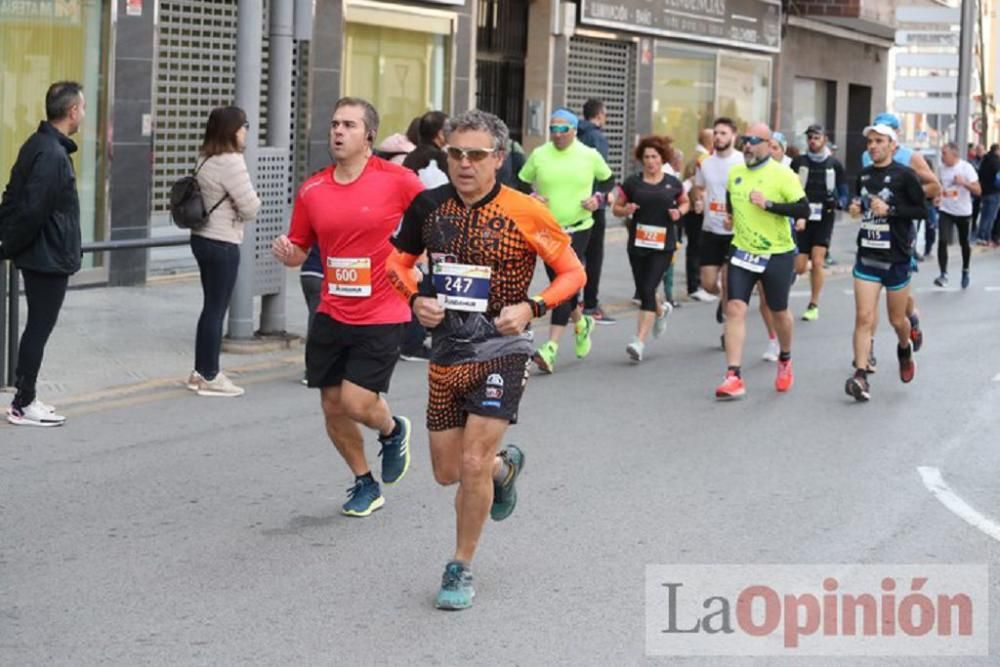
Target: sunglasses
{"type": "Point", "coordinates": [748, 140]}
{"type": "Point", "coordinates": [559, 129]}
{"type": "Point", "coordinates": [472, 154]}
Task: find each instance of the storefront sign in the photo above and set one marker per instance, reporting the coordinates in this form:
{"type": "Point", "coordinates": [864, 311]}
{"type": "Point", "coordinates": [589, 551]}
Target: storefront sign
{"type": "Point", "coordinates": [750, 24]}
{"type": "Point", "coordinates": [456, 3]}
{"type": "Point", "coordinates": [63, 11]}
{"type": "Point", "coordinates": [133, 7]}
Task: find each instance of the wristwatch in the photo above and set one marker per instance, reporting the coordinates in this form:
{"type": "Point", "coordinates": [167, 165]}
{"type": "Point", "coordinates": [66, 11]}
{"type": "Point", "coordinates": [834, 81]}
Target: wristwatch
{"type": "Point", "coordinates": [768, 204]}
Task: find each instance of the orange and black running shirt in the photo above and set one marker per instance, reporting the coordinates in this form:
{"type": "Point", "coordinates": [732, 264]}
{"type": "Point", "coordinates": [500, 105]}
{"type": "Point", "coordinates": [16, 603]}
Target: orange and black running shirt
{"type": "Point", "coordinates": [482, 258]}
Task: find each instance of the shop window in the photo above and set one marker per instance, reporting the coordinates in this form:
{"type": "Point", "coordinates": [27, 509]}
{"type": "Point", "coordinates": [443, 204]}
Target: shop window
{"type": "Point", "coordinates": [813, 101]}
{"type": "Point", "coordinates": [744, 88]}
{"type": "Point", "coordinates": [683, 95]}
{"type": "Point", "coordinates": [398, 62]}
{"type": "Point", "coordinates": [38, 46]}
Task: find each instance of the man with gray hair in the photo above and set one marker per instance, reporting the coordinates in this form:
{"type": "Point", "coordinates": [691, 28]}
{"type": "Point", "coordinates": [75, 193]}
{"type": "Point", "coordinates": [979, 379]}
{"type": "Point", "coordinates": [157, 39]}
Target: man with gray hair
{"type": "Point", "coordinates": [481, 238]}
{"type": "Point", "coordinates": [959, 184]}
{"type": "Point", "coordinates": [40, 231]}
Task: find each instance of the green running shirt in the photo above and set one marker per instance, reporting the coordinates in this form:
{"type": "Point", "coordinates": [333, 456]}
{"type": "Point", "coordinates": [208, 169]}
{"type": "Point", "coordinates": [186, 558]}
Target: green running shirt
{"type": "Point", "coordinates": [754, 229]}
{"type": "Point", "coordinates": [566, 178]}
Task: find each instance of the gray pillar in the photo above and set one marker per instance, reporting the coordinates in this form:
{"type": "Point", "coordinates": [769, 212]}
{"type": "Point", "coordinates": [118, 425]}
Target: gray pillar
{"type": "Point", "coordinates": [248, 48]}
{"type": "Point", "coordinates": [279, 123]}
{"type": "Point", "coordinates": [967, 37]}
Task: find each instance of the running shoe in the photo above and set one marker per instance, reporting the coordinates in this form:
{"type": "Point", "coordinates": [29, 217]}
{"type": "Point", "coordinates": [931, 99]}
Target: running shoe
{"type": "Point", "coordinates": [363, 498]}
{"type": "Point", "coordinates": [701, 295]}
{"type": "Point", "coordinates": [772, 351]}
{"type": "Point", "coordinates": [583, 329]}
{"type": "Point", "coordinates": [34, 414]}
{"type": "Point", "coordinates": [720, 317]}
{"type": "Point", "coordinates": [965, 280]}
{"type": "Point", "coordinates": [600, 317]}
{"type": "Point", "coordinates": [731, 388]}
{"type": "Point", "coordinates": [811, 314]}
{"type": "Point", "coordinates": [916, 335]}
{"type": "Point", "coordinates": [395, 452]}
{"type": "Point", "coordinates": [660, 325]}
{"type": "Point", "coordinates": [635, 349]}
{"type": "Point", "coordinates": [545, 356]}
{"type": "Point", "coordinates": [193, 380]}
{"type": "Point", "coordinates": [220, 385]}
{"type": "Point", "coordinates": [942, 280]}
{"type": "Point", "coordinates": [907, 365]}
{"type": "Point", "coordinates": [857, 386]}
{"type": "Point", "coordinates": [416, 354]}
{"type": "Point", "coordinates": [505, 493]}
{"type": "Point", "coordinates": [784, 380]}
{"type": "Point", "coordinates": [456, 588]}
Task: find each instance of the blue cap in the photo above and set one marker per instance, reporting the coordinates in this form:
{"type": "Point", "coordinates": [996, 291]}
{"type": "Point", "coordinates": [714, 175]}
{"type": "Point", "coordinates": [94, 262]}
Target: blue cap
{"type": "Point", "coordinates": [565, 114]}
{"type": "Point", "coordinates": [887, 118]}
{"type": "Point", "coordinates": [780, 138]}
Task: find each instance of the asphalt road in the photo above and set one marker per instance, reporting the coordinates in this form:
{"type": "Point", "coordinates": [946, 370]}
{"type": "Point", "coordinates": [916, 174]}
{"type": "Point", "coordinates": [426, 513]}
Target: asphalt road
{"type": "Point", "coordinates": [161, 528]}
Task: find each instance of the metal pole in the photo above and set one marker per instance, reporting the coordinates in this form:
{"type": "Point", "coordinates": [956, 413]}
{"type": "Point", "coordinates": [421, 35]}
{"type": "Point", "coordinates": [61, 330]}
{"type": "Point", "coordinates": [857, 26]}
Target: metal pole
{"type": "Point", "coordinates": [966, 40]}
{"type": "Point", "coordinates": [13, 322]}
{"type": "Point", "coordinates": [249, 33]}
{"type": "Point", "coordinates": [279, 128]}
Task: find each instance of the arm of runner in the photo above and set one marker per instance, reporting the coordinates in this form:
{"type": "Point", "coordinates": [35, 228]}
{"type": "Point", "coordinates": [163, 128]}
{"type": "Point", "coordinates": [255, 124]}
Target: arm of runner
{"type": "Point", "coordinates": [971, 182]}
{"type": "Point", "coordinates": [913, 206]}
{"type": "Point", "coordinates": [401, 268]}
{"type": "Point", "coordinates": [930, 183]}
{"type": "Point", "coordinates": [683, 205]}
{"type": "Point", "coordinates": [796, 209]}
{"type": "Point", "coordinates": [570, 278]}
{"type": "Point", "coordinates": [622, 206]}
{"type": "Point", "coordinates": [293, 249]}
{"type": "Point", "coordinates": [842, 190]}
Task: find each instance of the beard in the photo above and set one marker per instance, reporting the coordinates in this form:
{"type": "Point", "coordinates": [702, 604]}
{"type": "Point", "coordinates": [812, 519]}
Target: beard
{"type": "Point", "coordinates": [723, 147]}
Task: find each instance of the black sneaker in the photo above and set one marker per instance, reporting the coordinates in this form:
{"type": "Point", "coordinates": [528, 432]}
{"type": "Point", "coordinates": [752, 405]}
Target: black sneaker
{"type": "Point", "coordinates": [857, 386]}
{"type": "Point", "coordinates": [600, 317]}
{"type": "Point", "coordinates": [719, 316]}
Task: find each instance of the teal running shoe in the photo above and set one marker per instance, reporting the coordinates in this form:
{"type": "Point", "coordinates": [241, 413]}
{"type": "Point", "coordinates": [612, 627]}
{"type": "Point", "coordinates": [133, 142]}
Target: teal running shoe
{"type": "Point", "coordinates": [505, 493]}
{"type": "Point", "coordinates": [395, 452]}
{"type": "Point", "coordinates": [456, 588]}
{"type": "Point", "coordinates": [363, 498]}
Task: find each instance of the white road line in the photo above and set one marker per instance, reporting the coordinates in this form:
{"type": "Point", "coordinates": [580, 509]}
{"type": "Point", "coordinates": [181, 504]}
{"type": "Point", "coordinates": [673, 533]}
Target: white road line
{"type": "Point", "coordinates": [996, 378]}
{"type": "Point", "coordinates": [936, 485]}
{"type": "Point", "coordinates": [992, 288]}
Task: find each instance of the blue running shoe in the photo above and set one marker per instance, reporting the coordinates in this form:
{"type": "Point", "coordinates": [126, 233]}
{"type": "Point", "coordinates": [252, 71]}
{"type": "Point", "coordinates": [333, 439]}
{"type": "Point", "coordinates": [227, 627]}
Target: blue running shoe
{"type": "Point", "coordinates": [456, 588]}
{"type": "Point", "coordinates": [505, 493]}
{"type": "Point", "coordinates": [363, 498]}
{"type": "Point", "coordinates": [395, 452]}
{"type": "Point", "coordinates": [965, 280]}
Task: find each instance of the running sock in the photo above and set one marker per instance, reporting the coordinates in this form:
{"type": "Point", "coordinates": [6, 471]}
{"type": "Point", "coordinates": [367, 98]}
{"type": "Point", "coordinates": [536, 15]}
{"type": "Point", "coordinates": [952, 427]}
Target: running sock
{"type": "Point", "coordinates": [861, 374]}
{"type": "Point", "coordinates": [392, 434]}
{"type": "Point", "coordinates": [914, 320]}
{"type": "Point", "coordinates": [771, 336]}
{"type": "Point", "coordinates": [501, 475]}
{"type": "Point", "coordinates": [366, 478]}
{"type": "Point", "coordinates": [812, 305]}
{"type": "Point", "coordinates": [785, 356]}
{"type": "Point", "coordinates": [735, 370]}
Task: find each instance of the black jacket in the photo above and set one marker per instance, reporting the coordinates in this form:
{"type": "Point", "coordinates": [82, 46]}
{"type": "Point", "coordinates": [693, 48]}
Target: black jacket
{"type": "Point", "coordinates": [988, 170]}
{"type": "Point", "coordinates": [40, 210]}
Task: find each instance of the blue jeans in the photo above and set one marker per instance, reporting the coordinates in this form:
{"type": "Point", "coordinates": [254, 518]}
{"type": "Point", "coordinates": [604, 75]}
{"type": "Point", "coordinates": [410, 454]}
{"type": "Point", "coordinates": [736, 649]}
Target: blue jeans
{"type": "Point", "coordinates": [218, 264]}
{"type": "Point", "coordinates": [988, 216]}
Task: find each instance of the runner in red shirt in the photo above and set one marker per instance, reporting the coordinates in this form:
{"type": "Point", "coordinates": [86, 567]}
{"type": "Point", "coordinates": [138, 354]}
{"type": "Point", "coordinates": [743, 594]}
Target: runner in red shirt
{"type": "Point", "coordinates": [350, 210]}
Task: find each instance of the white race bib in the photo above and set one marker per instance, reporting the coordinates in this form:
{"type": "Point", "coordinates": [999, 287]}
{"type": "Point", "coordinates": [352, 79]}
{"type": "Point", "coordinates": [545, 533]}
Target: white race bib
{"type": "Point", "coordinates": [815, 212]}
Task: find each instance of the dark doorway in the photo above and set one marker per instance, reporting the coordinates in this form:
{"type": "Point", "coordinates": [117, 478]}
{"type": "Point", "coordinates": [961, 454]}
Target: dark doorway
{"type": "Point", "coordinates": [859, 115]}
{"type": "Point", "coordinates": [501, 47]}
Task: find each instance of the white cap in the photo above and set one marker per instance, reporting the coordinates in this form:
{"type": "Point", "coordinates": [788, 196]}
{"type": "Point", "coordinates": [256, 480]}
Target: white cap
{"type": "Point", "coordinates": [884, 130]}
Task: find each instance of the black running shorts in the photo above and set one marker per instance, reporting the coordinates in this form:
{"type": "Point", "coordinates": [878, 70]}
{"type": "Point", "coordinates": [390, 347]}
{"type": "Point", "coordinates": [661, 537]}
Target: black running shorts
{"type": "Point", "coordinates": [364, 355]}
{"type": "Point", "coordinates": [776, 280]}
{"type": "Point", "coordinates": [818, 233]}
{"type": "Point", "coordinates": [713, 249]}
{"type": "Point", "coordinates": [490, 388]}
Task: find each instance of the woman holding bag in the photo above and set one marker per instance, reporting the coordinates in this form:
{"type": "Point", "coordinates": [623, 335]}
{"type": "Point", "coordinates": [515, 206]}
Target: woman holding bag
{"type": "Point", "coordinates": [225, 185]}
{"type": "Point", "coordinates": [654, 202]}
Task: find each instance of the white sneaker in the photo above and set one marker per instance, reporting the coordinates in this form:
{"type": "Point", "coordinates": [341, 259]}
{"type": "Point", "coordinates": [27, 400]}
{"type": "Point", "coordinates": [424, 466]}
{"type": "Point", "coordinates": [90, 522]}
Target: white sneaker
{"type": "Point", "coordinates": [34, 415]}
{"type": "Point", "coordinates": [660, 325]}
{"type": "Point", "coordinates": [193, 380]}
{"type": "Point", "coordinates": [220, 385]}
{"type": "Point", "coordinates": [635, 349]}
{"type": "Point", "coordinates": [45, 406]}
{"type": "Point", "coordinates": [772, 351]}
{"type": "Point", "coordinates": [705, 297]}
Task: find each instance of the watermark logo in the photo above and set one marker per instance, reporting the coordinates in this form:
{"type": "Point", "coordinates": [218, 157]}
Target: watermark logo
{"type": "Point", "coordinates": [861, 610]}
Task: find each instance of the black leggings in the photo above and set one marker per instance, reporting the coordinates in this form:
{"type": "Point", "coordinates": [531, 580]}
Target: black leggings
{"type": "Point", "coordinates": [692, 268]}
{"type": "Point", "coordinates": [218, 263]}
{"type": "Point", "coordinates": [948, 222]}
{"type": "Point", "coordinates": [45, 293]}
{"type": "Point", "coordinates": [560, 314]}
{"type": "Point", "coordinates": [594, 258]}
{"type": "Point", "coordinates": [648, 270]}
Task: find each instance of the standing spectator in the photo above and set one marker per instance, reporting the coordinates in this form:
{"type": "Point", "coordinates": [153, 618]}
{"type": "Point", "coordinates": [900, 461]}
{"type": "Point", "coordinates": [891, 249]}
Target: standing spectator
{"type": "Point", "coordinates": [988, 179]}
{"type": "Point", "coordinates": [395, 148]}
{"type": "Point", "coordinates": [41, 233]}
{"type": "Point", "coordinates": [429, 148]}
{"type": "Point", "coordinates": [590, 133]}
{"type": "Point", "coordinates": [227, 191]}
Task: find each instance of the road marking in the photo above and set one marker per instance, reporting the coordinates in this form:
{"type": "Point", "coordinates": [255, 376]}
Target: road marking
{"type": "Point", "coordinates": [936, 485]}
{"type": "Point", "coordinates": [992, 288]}
{"type": "Point", "coordinates": [996, 378]}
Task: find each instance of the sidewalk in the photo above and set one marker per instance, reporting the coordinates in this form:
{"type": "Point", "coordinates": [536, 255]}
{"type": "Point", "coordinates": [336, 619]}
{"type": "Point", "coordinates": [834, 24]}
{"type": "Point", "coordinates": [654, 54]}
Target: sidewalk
{"type": "Point", "coordinates": [135, 338]}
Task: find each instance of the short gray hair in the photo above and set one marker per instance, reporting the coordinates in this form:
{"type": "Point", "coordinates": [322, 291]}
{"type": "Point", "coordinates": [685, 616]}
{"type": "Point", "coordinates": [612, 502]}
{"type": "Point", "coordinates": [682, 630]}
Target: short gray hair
{"type": "Point", "coordinates": [482, 121]}
{"type": "Point", "coordinates": [370, 118]}
{"type": "Point", "coordinates": [952, 146]}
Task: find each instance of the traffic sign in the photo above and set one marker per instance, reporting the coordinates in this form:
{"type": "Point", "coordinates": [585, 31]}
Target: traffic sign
{"type": "Point", "coordinates": [927, 84]}
{"type": "Point", "coordinates": [927, 60]}
{"type": "Point", "coordinates": [928, 15]}
{"type": "Point", "coordinates": [942, 106]}
{"type": "Point", "coordinates": [935, 38]}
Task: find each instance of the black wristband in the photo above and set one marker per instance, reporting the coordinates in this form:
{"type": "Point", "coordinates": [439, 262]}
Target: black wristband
{"type": "Point", "coordinates": [413, 297]}
{"type": "Point", "coordinates": [538, 307]}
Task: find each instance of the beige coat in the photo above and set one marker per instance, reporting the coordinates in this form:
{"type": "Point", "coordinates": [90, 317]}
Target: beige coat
{"type": "Point", "coordinates": [223, 175]}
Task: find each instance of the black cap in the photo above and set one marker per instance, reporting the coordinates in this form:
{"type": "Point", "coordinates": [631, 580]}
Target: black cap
{"type": "Point", "coordinates": [816, 128]}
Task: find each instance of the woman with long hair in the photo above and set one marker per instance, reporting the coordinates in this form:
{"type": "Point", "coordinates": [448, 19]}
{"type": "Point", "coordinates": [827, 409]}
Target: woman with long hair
{"type": "Point", "coordinates": [231, 200]}
{"type": "Point", "coordinates": [654, 202]}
